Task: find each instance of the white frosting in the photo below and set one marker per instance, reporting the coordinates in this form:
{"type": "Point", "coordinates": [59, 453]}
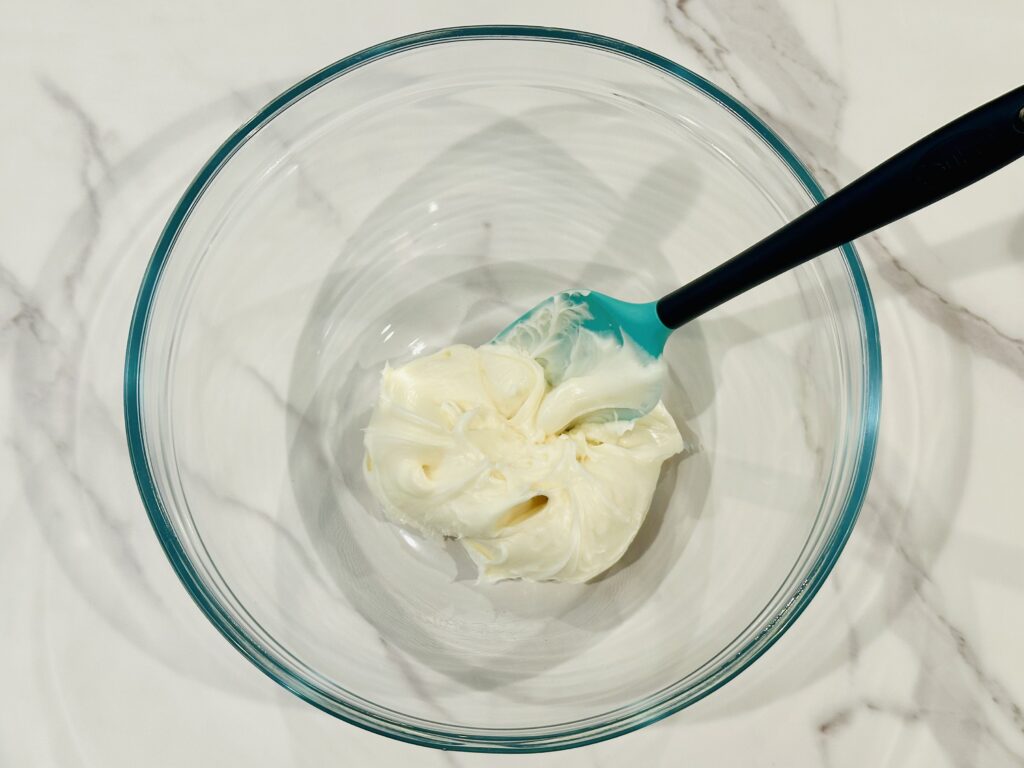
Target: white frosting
{"type": "Point", "coordinates": [535, 481]}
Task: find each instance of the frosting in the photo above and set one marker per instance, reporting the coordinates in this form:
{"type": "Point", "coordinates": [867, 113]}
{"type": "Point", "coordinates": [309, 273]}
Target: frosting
{"type": "Point", "coordinates": [540, 455]}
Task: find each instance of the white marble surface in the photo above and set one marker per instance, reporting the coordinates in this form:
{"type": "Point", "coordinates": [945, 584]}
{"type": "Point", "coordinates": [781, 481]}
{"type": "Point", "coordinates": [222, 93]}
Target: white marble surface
{"type": "Point", "coordinates": [910, 655]}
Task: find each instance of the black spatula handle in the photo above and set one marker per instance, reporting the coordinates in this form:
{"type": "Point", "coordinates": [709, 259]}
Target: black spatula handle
{"type": "Point", "coordinates": [953, 157]}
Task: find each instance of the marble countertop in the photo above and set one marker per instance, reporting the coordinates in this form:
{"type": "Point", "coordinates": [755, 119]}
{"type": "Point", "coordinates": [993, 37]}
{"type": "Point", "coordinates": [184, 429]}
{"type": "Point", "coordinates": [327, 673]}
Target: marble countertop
{"type": "Point", "coordinates": [909, 656]}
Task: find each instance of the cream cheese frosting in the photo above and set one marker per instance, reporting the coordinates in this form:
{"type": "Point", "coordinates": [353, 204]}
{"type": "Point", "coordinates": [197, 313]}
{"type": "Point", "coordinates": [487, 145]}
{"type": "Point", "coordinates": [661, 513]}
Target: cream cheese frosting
{"type": "Point", "coordinates": [536, 481]}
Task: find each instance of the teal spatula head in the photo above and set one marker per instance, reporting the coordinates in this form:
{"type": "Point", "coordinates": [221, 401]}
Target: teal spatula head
{"type": "Point", "coordinates": [550, 330]}
{"type": "Point", "coordinates": [589, 343]}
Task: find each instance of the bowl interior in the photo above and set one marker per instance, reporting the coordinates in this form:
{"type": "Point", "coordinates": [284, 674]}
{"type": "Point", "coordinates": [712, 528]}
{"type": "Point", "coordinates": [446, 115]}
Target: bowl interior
{"type": "Point", "coordinates": [428, 194]}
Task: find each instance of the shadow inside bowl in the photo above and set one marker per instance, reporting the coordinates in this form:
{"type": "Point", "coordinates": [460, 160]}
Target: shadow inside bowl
{"type": "Point", "coordinates": [493, 635]}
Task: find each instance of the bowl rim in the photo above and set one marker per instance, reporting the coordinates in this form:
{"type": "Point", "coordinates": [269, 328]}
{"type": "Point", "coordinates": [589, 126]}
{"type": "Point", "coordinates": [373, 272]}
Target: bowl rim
{"type": "Point", "coordinates": [522, 740]}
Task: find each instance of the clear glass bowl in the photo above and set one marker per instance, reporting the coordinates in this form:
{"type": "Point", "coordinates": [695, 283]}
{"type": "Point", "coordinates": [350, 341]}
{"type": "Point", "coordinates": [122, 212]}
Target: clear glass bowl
{"type": "Point", "coordinates": [426, 191]}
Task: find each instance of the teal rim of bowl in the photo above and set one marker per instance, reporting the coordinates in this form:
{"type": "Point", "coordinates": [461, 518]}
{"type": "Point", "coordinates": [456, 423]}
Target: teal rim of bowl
{"type": "Point", "coordinates": [523, 740]}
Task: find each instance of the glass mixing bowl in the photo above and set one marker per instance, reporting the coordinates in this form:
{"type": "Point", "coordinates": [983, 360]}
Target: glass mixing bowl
{"type": "Point", "coordinates": [427, 191]}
